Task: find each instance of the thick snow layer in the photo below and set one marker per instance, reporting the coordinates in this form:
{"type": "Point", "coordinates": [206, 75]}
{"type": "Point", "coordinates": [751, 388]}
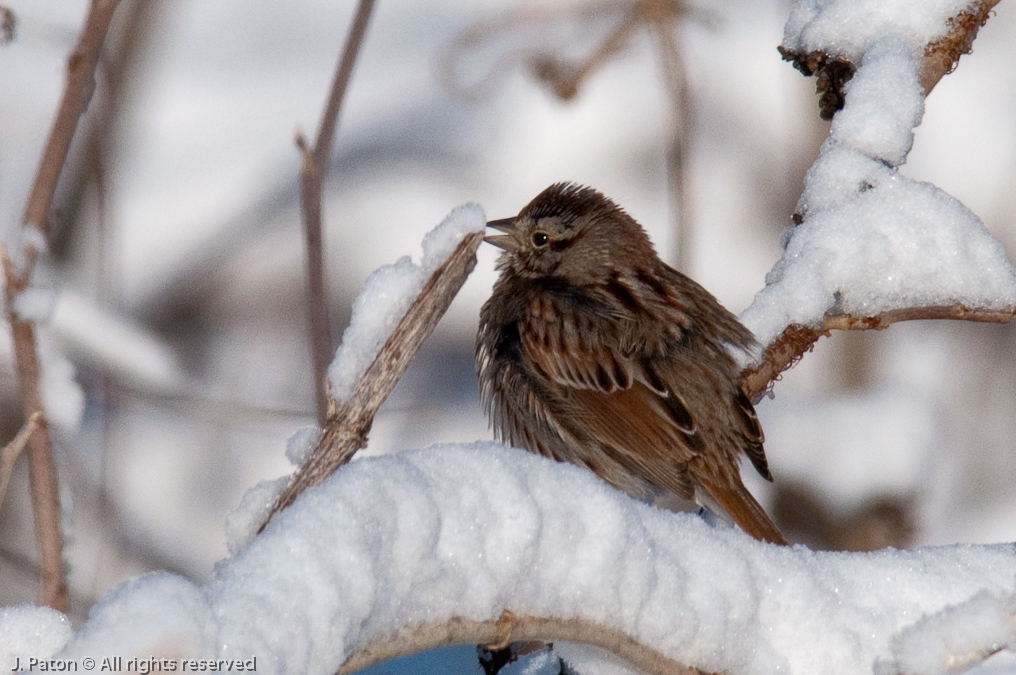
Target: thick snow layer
{"type": "Point", "coordinates": [874, 240]}
{"type": "Point", "coordinates": [956, 637]}
{"type": "Point", "coordinates": [871, 239]}
{"type": "Point", "coordinates": [28, 631]}
{"type": "Point", "coordinates": [386, 296]}
{"type": "Point", "coordinates": [845, 28]}
{"type": "Point", "coordinates": [471, 530]}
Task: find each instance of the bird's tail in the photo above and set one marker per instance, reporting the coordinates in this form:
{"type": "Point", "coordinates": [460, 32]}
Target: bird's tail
{"type": "Point", "coordinates": [742, 508]}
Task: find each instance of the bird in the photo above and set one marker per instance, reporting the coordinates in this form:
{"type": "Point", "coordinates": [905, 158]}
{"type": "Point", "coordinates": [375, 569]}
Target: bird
{"type": "Point", "coordinates": [592, 350]}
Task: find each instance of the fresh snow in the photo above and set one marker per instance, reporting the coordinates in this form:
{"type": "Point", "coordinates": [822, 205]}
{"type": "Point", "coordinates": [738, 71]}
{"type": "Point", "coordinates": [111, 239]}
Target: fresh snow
{"type": "Point", "coordinates": [472, 530]}
{"type": "Point", "coordinates": [386, 296]}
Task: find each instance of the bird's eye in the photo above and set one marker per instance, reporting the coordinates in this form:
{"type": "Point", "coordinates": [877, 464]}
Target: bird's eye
{"type": "Point", "coordinates": [540, 239]}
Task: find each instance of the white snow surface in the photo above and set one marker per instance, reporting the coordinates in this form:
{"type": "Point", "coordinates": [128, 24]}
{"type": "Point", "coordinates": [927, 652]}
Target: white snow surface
{"type": "Point", "coordinates": [956, 637]}
{"type": "Point", "coordinates": [846, 28]}
{"type": "Point", "coordinates": [872, 240]}
{"type": "Point", "coordinates": [28, 631]}
{"type": "Point", "coordinates": [386, 296]}
{"type": "Point", "coordinates": [472, 530]}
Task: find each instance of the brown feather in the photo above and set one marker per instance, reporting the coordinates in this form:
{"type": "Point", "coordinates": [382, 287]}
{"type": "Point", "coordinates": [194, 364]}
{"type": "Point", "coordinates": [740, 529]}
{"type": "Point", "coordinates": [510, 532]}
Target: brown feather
{"type": "Point", "coordinates": [593, 351]}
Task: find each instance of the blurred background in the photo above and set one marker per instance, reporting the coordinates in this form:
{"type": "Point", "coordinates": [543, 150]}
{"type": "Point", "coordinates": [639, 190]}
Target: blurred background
{"type": "Point", "coordinates": [178, 362]}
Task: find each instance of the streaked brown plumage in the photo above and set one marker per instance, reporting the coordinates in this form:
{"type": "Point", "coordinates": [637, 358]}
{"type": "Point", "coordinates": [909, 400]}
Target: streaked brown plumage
{"type": "Point", "coordinates": [593, 351]}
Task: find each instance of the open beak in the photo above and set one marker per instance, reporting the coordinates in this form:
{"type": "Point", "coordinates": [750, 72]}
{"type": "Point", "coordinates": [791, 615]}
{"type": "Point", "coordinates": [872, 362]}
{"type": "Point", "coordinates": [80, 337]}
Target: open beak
{"type": "Point", "coordinates": [503, 241]}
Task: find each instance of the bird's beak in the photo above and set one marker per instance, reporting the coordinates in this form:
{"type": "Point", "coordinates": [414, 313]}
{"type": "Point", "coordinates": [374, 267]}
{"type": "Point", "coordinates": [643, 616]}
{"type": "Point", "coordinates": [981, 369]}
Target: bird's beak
{"type": "Point", "coordinates": [503, 241]}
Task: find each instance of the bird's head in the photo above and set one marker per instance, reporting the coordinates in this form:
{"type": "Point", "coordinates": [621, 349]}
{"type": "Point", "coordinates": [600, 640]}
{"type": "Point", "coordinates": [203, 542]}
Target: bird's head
{"type": "Point", "coordinates": [569, 231]}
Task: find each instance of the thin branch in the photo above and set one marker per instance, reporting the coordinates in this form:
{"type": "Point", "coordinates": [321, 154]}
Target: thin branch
{"type": "Point", "coordinates": [347, 426]}
{"type": "Point", "coordinates": [796, 340]}
{"type": "Point", "coordinates": [12, 450]}
{"type": "Point", "coordinates": [42, 475]}
{"type": "Point", "coordinates": [80, 85]}
{"type": "Point", "coordinates": [42, 468]}
{"type": "Point", "coordinates": [515, 628]}
{"type": "Point", "coordinates": [679, 145]}
{"type": "Point", "coordinates": [313, 171]}
{"type": "Point", "coordinates": [942, 56]}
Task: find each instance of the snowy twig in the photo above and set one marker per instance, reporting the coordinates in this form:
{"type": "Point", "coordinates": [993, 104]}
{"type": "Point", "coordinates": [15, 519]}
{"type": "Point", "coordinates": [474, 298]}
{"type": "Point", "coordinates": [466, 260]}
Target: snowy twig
{"type": "Point", "coordinates": [10, 452]}
{"type": "Point", "coordinates": [940, 59]}
{"type": "Point", "coordinates": [941, 56]}
{"type": "Point", "coordinates": [42, 469]}
{"type": "Point", "coordinates": [796, 340]}
{"type": "Point", "coordinates": [41, 466]}
{"type": "Point", "coordinates": [312, 175]}
{"type": "Point", "coordinates": [515, 628]}
{"type": "Point", "coordinates": [347, 426]}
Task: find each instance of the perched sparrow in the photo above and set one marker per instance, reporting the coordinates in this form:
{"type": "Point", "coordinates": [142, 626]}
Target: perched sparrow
{"type": "Point", "coordinates": [593, 351]}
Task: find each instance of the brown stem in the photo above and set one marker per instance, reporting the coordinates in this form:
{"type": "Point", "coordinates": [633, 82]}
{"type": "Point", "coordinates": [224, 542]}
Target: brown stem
{"type": "Point", "coordinates": [941, 56]}
{"type": "Point", "coordinates": [677, 150]}
{"type": "Point", "coordinates": [312, 174]}
{"type": "Point", "coordinates": [347, 426]}
{"type": "Point", "coordinates": [514, 628]}
{"type": "Point", "coordinates": [10, 452]}
{"type": "Point", "coordinates": [41, 465]}
{"type": "Point", "coordinates": [42, 468]}
{"type": "Point", "coordinates": [796, 340]}
{"type": "Point", "coordinates": [80, 85]}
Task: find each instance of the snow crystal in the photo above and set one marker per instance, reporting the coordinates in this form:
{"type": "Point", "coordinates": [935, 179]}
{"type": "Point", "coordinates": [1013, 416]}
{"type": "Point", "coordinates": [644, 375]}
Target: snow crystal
{"type": "Point", "coordinates": [27, 631]}
{"type": "Point", "coordinates": [300, 444]}
{"type": "Point", "coordinates": [845, 28]}
{"type": "Point", "coordinates": [386, 296]}
{"type": "Point", "coordinates": [242, 523]}
{"type": "Point", "coordinates": [155, 615]}
{"type": "Point", "coordinates": [471, 531]}
{"type": "Point", "coordinates": [955, 637]}
{"type": "Point", "coordinates": [884, 104]}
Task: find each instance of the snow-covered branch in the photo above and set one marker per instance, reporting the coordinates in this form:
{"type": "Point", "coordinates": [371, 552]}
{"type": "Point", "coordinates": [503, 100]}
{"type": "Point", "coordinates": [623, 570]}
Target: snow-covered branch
{"type": "Point", "coordinates": [467, 532]}
{"type": "Point", "coordinates": [871, 246]}
{"type": "Point", "coordinates": [385, 333]}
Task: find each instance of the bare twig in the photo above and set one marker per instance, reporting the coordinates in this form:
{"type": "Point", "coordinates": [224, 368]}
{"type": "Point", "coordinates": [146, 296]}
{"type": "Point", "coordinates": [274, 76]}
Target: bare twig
{"type": "Point", "coordinates": [42, 469]}
{"type": "Point", "coordinates": [679, 145]}
{"type": "Point", "coordinates": [796, 340]}
{"type": "Point", "coordinates": [347, 426]}
{"type": "Point", "coordinates": [515, 628]}
{"type": "Point", "coordinates": [41, 465]}
{"type": "Point", "coordinates": [10, 452]}
{"type": "Point", "coordinates": [941, 56]}
{"type": "Point", "coordinates": [80, 85]}
{"type": "Point", "coordinates": [312, 175]}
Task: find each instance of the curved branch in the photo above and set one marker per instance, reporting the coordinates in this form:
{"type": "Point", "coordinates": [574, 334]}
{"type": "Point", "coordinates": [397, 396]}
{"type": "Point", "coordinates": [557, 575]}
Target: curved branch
{"type": "Point", "coordinates": [515, 628]}
{"type": "Point", "coordinates": [797, 340]}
